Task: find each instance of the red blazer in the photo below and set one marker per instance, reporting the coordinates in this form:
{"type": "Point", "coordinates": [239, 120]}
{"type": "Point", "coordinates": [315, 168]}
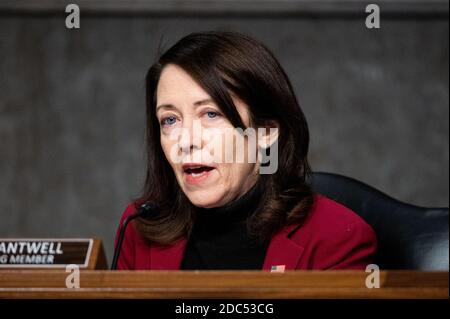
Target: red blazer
{"type": "Point", "coordinates": [332, 237]}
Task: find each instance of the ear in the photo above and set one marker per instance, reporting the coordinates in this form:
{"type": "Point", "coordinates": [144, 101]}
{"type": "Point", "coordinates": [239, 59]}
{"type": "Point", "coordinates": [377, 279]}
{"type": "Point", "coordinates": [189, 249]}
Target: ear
{"type": "Point", "coordinates": [269, 134]}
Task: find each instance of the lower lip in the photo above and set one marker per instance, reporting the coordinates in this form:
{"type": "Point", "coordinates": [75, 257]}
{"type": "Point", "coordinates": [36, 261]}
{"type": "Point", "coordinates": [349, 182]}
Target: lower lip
{"type": "Point", "coordinates": [190, 179]}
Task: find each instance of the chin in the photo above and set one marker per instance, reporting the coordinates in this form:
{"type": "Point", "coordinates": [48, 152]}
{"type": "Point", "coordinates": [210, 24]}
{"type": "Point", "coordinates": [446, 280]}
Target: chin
{"type": "Point", "coordinates": [203, 198]}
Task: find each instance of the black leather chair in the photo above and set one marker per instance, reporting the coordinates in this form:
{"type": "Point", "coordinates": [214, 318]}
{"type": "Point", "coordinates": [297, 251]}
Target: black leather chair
{"type": "Point", "coordinates": [409, 237]}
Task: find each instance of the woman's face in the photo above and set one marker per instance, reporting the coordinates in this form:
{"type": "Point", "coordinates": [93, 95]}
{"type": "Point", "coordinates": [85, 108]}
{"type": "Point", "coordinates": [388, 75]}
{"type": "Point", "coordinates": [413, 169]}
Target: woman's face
{"type": "Point", "coordinates": [193, 129]}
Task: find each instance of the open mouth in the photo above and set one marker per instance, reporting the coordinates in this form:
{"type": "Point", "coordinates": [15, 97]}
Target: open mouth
{"type": "Point", "coordinates": [196, 173]}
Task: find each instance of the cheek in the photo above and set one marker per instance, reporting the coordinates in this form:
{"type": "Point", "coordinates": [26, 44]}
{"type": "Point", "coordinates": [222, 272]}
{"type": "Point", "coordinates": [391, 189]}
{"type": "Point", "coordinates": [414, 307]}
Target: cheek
{"type": "Point", "coordinates": [243, 149]}
{"type": "Point", "coordinates": [236, 161]}
{"type": "Point", "coordinates": [167, 146]}
{"type": "Point", "coordinates": [234, 173]}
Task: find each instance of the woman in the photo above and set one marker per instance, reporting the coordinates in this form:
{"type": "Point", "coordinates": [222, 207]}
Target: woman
{"type": "Point", "coordinates": [220, 214]}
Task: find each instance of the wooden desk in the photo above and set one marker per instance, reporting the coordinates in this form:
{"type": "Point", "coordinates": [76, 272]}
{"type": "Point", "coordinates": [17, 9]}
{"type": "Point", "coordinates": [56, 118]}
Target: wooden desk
{"type": "Point", "coordinates": [223, 284]}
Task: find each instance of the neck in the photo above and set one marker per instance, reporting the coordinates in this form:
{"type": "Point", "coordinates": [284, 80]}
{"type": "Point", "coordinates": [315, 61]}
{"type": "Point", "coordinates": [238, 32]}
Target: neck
{"type": "Point", "coordinates": [234, 211]}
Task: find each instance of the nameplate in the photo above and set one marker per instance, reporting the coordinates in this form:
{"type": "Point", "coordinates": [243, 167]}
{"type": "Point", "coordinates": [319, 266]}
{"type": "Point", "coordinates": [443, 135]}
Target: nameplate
{"type": "Point", "coordinates": [44, 253]}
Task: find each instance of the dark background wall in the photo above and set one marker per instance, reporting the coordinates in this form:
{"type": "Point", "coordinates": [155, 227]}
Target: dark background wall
{"type": "Point", "coordinates": [72, 101]}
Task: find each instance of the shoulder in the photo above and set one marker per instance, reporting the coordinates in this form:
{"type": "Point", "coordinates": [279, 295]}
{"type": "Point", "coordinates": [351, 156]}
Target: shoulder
{"type": "Point", "coordinates": [129, 210]}
{"type": "Point", "coordinates": [130, 239]}
{"type": "Point", "coordinates": [334, 236]}
{"type": "Point", "coordinates": [332, 216]}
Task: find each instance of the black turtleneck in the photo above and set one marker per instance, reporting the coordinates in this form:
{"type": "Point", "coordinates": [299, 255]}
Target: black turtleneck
{"type": "Point", "coordinates": [219, 237]}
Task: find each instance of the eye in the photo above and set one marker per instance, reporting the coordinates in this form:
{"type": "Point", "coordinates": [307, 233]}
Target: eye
{"type": "Point", "coordinates": [169, 120]}
{"type": "Point", "coordinates": [212, 114]}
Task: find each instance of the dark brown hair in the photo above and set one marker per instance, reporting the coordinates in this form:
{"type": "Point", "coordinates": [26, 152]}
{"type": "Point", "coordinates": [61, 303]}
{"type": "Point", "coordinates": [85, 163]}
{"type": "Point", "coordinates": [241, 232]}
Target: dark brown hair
{"type": "Point", "coordinates": [225, 63]}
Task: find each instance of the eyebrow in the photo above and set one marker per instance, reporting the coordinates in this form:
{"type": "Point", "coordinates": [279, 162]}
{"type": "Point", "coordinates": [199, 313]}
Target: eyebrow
{"type": "Point", "coordinates": [196, 104]}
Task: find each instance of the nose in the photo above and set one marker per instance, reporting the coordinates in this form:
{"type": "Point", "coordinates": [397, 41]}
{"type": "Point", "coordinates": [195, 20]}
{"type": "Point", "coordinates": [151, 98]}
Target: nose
{"type": "Point", "coordinates": [190, 138]}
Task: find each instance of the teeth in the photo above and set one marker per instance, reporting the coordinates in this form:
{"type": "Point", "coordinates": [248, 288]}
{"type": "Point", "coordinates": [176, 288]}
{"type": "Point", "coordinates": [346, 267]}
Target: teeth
{"type": "Point", "coordinates": [196, 175]}
{"type": "Point", "coordinates": [197, 171]}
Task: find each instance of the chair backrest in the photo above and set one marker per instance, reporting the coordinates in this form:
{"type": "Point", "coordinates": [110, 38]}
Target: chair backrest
{"type": "Point", "coordinates": [409, 237]}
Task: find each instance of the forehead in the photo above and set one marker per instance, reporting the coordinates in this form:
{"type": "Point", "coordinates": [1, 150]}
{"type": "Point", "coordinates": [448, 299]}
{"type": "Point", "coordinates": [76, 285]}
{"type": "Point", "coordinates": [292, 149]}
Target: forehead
{"type": "Point", "coordinates": [176, 85]}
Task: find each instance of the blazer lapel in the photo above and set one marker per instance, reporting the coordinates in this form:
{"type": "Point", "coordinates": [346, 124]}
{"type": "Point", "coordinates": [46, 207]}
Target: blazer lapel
{"type": "Point", "coordinates": [283, 251]}
{"type": "Point", "coordinates": [167, 257]}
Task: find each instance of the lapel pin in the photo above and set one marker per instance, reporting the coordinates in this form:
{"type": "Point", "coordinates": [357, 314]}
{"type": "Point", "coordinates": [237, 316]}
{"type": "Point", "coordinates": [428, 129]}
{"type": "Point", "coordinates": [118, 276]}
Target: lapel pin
{"type": "Point", "coordinates": [278, 268]}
